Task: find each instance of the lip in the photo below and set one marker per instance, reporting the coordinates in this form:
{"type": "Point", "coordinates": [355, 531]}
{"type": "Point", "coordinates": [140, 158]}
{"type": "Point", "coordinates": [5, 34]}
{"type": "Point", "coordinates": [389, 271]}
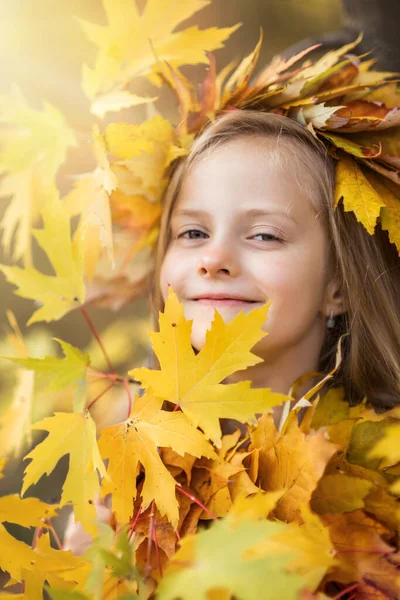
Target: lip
{"type": "Point", "coordinates": [222, 296]}
{"type": "Point", "coordinates": [222, 300]}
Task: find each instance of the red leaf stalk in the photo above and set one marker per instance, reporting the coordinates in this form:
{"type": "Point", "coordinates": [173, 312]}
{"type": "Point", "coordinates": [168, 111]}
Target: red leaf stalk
{"type": "Point", "coordinates": [128, 391]}
{"type": "Point", "coordinates": [134, 523]}
{"type": "Point", "coordinates": [54, 532]}
{"type": "Point", "coordinates": [96, 335]}
{"type": "Point", "coordinates": [191, 497]}
{"type": "Point", "coordinates": [101, 395]}
{"type": "Point", "coordinates": [149, 541]}
{"type": "Point", "coordinates": [345, 591]}
{"type": "Point", "coordinates": [157, 548]}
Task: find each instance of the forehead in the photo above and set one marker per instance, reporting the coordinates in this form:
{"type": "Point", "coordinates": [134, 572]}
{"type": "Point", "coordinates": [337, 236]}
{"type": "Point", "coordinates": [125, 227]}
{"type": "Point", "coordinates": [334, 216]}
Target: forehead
{"type": "Point", "coordinates": [257, 168]}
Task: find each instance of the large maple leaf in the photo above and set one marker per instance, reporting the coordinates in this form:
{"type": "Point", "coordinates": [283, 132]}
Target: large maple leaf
{"type": "Point", "coordinates": [73, 434]}
{"type": "Point", "coordinates": [65, 290]}
{"type": "Point", "coordinates": [135, 441]}
{"type": "Point", "coordinates": [133, 44]}
{"type": "Point", "coordinates": [193, 381]}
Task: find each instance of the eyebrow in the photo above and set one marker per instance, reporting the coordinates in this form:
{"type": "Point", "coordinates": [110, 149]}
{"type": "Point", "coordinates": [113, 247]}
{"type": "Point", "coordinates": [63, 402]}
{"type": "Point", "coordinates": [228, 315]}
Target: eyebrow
{"type": "Point", "coordinates": [251, 212]}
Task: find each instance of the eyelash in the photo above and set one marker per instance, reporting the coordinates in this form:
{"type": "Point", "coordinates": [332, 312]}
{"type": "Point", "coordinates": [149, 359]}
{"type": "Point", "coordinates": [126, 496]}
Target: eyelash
{"type": "Point", "coordinates": [272, 237]}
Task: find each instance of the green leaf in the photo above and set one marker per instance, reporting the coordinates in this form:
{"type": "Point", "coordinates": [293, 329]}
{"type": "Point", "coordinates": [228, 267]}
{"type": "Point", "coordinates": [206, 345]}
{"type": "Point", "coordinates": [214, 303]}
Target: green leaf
{"type": "Point", "coordinates": [216, 559]}
{"type": "Point", "coordinates": [363, 439]}
{"type": "Point", "coordinates": [62, 594]}
{"type": "Point", "coordinates": [339, 493]}
{"type": "Point", "coordinates": [94, 583]}
{"type": "Point", "coordinates": [62, 372]}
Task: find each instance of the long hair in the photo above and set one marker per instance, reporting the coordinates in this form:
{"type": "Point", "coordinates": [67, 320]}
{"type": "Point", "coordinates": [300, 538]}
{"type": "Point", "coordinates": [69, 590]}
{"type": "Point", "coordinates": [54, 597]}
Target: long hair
{"type": "Point", "coordinates": [366, 267]}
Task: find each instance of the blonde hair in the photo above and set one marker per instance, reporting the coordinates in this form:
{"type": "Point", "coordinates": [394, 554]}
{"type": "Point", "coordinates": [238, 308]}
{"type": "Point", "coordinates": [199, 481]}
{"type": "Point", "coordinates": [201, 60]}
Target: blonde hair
{"type": "Point", "coordinates": [366, 267]}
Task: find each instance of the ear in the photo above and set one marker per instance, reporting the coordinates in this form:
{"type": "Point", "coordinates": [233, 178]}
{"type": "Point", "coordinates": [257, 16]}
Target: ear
{"type": "Point", "coordinates": [334, 299]}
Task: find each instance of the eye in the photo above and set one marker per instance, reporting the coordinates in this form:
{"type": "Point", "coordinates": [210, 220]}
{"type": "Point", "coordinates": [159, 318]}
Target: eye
{"type": "Point", "coordinates": [193, 234]}
{"type": "Point", "coordinates": [266, 237]}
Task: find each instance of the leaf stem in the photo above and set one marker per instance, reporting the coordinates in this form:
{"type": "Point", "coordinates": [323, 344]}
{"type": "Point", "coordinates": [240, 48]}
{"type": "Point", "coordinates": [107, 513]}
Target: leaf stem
{"type": "Point", "coordinates": [134, 523]}
{"type": "Point", "coordinates": [128, 391]}
{"type": "Point", "coordinates": [54, 532]}
{"type": "Point", "coordinates": [93, 402]}
{"type": "Point", "coordinates": [112, 376]}
{"type": "Point", "coordinates": [350, 588]}
{"type": "Point", "coordinates": [36, 536]}
{"type": "Point", "coordinates": [191, 497]}
{"type": "Point", "coordinates": [149, 542]}
{"type": "Point", "coordinates": [96, 335]}
{"type": "Point", "coordinates": [157, 548]}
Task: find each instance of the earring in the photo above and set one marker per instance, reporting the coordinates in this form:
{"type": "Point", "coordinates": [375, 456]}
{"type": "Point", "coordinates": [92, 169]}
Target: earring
{"type": "Point", "coordinates": [331, 321]}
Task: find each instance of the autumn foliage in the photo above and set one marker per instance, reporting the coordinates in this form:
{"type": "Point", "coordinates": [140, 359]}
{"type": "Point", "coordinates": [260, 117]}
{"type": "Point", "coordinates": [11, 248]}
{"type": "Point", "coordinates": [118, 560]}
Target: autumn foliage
{"type": "Point", "coordinates": [307, 509]}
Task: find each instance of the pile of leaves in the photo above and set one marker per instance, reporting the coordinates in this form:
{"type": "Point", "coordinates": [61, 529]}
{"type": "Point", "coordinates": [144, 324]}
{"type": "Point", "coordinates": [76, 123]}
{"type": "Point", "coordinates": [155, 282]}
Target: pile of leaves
{"type": "Point", "coordinates": [309, 509]}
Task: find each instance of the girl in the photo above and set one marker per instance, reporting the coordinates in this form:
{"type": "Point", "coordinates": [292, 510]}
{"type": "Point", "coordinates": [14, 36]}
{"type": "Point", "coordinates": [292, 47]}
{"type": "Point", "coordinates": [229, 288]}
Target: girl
{"type": "Point", "coordinates": [249, 218]}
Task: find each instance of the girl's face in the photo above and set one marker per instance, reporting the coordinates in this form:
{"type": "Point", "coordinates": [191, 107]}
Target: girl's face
{"type": "Point", "coordinates": [244, 232]}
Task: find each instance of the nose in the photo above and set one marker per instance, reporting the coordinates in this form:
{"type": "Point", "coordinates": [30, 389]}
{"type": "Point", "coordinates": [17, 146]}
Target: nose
{"type": "Point", "coordinates": [216, 260]}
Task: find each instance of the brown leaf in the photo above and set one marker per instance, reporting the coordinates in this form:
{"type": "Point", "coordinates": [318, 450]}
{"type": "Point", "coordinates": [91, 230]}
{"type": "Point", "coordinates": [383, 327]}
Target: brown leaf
{"type": "Point", "coordinates": [183, 463]}
{"type": "Point", "coordinates": [219, 504]}
{"type": "Point", "coordinates": [343, 77]}
{"type": "Point", "coordinates": [357, 539]}
{"type": "Point", "coordinates": [294, 462]}
{"type": "Point", "coordinates": [365, 116]}
{"type": "Point", "coordinates": [369, 592]}
{"type": "Point", "coordinates": [241, 483]}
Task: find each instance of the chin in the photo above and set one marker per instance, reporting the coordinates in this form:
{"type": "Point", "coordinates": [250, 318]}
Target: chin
{"type": "Point", "coordinates": [200, 326]}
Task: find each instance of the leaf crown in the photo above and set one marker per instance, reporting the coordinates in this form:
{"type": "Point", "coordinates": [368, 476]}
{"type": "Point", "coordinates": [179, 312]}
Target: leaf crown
{"type": "Point", "coordinates": [347, 105]}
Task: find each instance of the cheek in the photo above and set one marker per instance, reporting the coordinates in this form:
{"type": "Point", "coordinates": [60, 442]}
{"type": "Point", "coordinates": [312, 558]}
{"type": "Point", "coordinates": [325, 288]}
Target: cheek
{"type": "Point", "coordinates": [294, 284]}
{"type": "Point", "coordinates": [172, 274]}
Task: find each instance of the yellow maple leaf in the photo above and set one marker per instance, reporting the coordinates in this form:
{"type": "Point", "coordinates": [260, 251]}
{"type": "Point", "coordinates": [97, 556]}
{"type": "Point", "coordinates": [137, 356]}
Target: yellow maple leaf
{"type": "Point", "coordinates": [58, 567]}
{"type": "Point", "coordinates": [144, 152]}
{"type": "Point", "coordinates": [65, 290]}
{"type": "Point", "coordinates": [192, 381]}
{"type": "Point", "coordinates": [132, 44]}
{"type": "Point", "coordinates": [19, 556]}
{"type": "Point", "coordinates": [135, 441]}
{"type": "Point", "coordinates": [358, 194]}
{"type": "Point", "coordinates": [91, 199]}
{"type": "Point", "coordinates": [390, 212]}
{"type": "Point", "coordinates": [27, 512]}
{"type": "Point", "coordinates": [118, 100]}
{"type": "Point", "coordinates": [29, 161]}
{"type": "Point", "coordinates": [73, 434]}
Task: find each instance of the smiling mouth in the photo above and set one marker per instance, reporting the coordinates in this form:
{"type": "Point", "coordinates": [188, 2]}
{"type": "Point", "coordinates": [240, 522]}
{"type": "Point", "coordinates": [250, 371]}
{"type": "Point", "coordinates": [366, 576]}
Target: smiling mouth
{"type": "Point", "coordinates": [223, 301]}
